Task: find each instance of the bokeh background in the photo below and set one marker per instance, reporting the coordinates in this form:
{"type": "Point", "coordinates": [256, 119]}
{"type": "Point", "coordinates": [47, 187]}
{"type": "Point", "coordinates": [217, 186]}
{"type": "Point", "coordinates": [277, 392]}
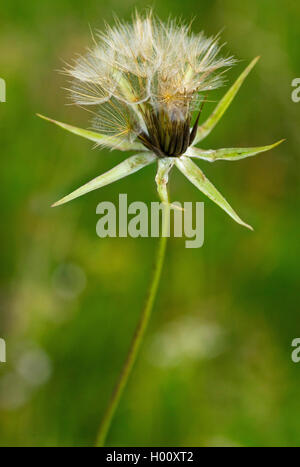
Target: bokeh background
{"type": "Point", "coordinates": [216, 368]}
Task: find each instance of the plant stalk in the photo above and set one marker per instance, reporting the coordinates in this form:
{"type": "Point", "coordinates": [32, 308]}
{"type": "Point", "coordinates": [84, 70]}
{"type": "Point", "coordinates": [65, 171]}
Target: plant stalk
{"type": "Point", "coordinates": [137, 338]}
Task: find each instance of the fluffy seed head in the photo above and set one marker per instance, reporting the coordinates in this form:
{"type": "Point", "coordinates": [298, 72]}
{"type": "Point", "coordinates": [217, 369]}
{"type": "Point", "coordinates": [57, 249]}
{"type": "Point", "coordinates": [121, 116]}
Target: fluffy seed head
{"type": "Point", "coordinates": [145, 79]}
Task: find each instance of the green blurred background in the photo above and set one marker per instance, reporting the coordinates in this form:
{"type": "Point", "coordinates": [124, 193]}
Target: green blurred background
{"type": "Point", "coordinates": [216, 368]}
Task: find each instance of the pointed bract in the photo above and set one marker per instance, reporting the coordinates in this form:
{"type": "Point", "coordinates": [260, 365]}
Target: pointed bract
{"type": "Point", "coordinates": [228, 154]}
{"type": "Point", "coordinates": [112, 142]}
{"type": "Point", "coordinates": [223, 105]}
{"type": "Point", "coordinates": [197, 178]}
{"type": "Point", "coordinates": [127, 167]}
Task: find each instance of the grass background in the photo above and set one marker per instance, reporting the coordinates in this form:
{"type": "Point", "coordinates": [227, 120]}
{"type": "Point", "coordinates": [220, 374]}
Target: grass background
{"type": "Point", "coordinates": [216, 366]}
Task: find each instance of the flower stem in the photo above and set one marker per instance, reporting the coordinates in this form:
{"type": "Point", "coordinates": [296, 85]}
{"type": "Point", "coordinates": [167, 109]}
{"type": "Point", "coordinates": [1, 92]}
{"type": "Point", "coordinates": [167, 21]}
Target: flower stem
{"type": "Point", "coordinates": [137, 338]}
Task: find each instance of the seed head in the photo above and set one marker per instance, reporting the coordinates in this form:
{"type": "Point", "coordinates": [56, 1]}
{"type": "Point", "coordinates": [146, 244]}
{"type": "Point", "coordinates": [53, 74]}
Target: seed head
{"type": "Point", "coordinates": [145, 79]}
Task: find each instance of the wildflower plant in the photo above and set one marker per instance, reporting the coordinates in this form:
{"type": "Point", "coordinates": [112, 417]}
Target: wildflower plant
{"type": "Point", "coordinates": [145, 83]}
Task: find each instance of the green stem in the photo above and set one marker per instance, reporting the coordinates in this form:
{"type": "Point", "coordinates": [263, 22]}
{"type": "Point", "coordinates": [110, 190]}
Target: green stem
{"type": "Point", "coordinates": [137, 338]}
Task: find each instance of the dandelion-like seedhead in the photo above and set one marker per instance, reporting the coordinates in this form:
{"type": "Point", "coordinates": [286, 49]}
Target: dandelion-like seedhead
{"type": "Point", "coordinates": [144, 81]}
